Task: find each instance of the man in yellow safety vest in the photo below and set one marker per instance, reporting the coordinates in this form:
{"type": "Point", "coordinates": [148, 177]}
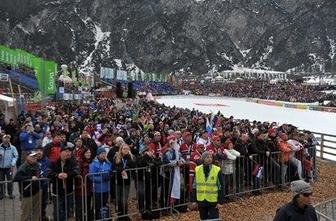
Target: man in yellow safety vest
{"type": "Point", "coordinates": [208, 187]}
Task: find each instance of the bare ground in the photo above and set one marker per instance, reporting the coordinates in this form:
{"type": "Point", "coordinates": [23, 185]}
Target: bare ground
{"type": "Point", "coordinates": [263, 207]}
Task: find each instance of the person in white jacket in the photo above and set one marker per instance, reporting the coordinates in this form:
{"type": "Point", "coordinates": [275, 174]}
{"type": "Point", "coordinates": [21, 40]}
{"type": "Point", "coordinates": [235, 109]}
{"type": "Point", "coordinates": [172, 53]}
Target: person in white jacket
{"type": "Point", "coordinates": [8, 158]}
{"type": "Point", "coordinates": [295, 146]}
{"type": "Point", "coordinates": [228, 166]}
{"type": "Point", "coordinates": [47, 139]}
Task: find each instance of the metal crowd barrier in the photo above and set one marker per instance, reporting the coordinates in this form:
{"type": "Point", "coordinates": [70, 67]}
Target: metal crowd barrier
{"type": "Point", "coordinates": [326, 211]}
{"type": "Point", "coordinates": [322, 217]}
{"type": "Point", "coordinates": [147, 190]}
{"type": "Point", "coordinates": [32, 201]}
{"type": "Point", "coordinates": [8, 206]}
{"type": "Point", "coordinates": [326, 146]}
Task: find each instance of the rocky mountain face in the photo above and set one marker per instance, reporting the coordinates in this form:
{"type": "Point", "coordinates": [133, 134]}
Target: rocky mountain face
{"type": "Point", "coordinates": [172, 35]}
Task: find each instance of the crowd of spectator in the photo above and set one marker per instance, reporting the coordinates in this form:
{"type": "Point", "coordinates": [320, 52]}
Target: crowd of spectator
{"type": "Point", "coordinates": [282, 91]}
{"type": "Point", "coordinates": [105, 141]}
{"type": "Point", "coordinates": [157, 88]}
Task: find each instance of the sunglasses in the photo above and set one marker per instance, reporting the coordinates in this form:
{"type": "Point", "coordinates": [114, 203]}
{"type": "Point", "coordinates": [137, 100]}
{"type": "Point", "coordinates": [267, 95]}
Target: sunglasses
{"type": "Point", "coordinates": [307, 194]}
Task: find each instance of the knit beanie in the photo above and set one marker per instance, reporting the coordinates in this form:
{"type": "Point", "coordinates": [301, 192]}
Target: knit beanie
{"type": "Point", "coordinates": [300, 186]}
{"type": "Point", "coordinates": [101, 150]}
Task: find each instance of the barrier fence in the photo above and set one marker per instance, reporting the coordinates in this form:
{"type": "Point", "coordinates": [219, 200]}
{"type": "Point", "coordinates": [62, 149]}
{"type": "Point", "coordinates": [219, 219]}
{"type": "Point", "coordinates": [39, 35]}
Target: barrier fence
{"type": "Point", "coordinates": [325, 146]}
{"type": "Point", "coordinates": [292, 105]}
{"type": "Point", "coordinates": [326, 211]}
{"type": "Point", "coordinates": [146, 191]}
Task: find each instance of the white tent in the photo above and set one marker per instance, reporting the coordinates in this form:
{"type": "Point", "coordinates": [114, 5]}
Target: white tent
{"type": "Point", "coordinates": [8, 100]}
{"type": "Point", "coordinates": [150, 97]}
{"type": "Point", "coordinates": [7, 107]}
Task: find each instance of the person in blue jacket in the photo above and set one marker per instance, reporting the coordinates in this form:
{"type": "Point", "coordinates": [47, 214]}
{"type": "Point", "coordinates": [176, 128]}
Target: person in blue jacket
{"type": "Point", "coordinates": [8, 158]}
{"type": "Point", "coordinates": [99, 173]}
{"type": "Point", "coordinates": [28, 138]}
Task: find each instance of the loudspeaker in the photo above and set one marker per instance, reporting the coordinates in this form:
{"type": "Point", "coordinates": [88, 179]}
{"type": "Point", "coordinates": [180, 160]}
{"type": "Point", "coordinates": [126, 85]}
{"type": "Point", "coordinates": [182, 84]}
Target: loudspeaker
{"type": "Point", "coordinates": [130, 92]}
{"type": "Point", "coordinates": [119, 90]}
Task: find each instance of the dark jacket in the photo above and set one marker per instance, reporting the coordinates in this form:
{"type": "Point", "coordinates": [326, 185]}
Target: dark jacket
{"type": "Point", "coordinates": [134, 144]}
{"type": "Point", "coordinates": [128, 164]}
{"type": "Point", "coordinates": [71, 168]}
{"type": "Point", "coordinates": [272, 144]}
{"type": "Point", "coordinates": [241, 147]}
{"type": "Point", "coordinates": [258, 147]}
{"type": "Point", "coordinates": [26, 172]}
{"type": "Point", "coordinates": [150, 174]}
{"type": "Point", "coordinates": [292, 212]}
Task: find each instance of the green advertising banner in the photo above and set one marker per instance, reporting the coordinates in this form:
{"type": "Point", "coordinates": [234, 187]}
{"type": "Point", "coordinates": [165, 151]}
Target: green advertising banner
{"type": "Point", "coordinates": [37, 64]}
{"type": "Point", "coordinates": [50, 70]}
{"type": "Point", "coordinates": [45, 71]}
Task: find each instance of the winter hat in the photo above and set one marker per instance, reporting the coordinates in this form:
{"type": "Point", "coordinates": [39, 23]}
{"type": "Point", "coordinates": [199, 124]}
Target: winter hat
{"type": "Point", "coordinates": [170, 131]}
{"type": "Point", "coordinates": [300, 186]}
{"type": "Point", "coordinates": [205, 154]}
{"type": "Point", "coordinates": [101, 150]}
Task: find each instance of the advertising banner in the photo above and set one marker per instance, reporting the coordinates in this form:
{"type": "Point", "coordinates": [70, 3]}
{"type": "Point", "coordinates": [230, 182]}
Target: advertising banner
{"type": "Point", "coordinates": [121, 75]}
{"type": "Point", "coordinates": [50, 71]}
{"type": "Point", "coordinates": [45, 71]}
{"type": "Point", "coordinates": [106, 73]}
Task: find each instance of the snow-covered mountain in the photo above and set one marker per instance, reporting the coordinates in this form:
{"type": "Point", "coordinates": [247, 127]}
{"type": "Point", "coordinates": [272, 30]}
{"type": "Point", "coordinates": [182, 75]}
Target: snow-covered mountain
{"type": "Point", "coordinates": [168, 35]}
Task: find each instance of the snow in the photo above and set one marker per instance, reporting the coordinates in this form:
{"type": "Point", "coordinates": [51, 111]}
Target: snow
{"type": "Point", "coordinates": [118, 63]}
{"type": "Point", "coordinates": [332, 52]}
{"type": "Point", "coordinates": [317, 121]}
{"type": "Point", "coordinates": [265, 55]}
{"type": "Point", "coordinates": [134, 71]}
{"type": "Point", "coordinates": [73, 37]}
{"type": "Point", "coordinates": [313, 55]}
{"type": "Point", "coordinates": [245, 52]}
{"type": "Point", "coordinates": [23, 28]}
{"type": "Point", "coordinates": [320, 80]}
{"type": "Point", "coordinates": [237, 69]}
{"type": "Point", "coordinates": [99, 37]}
{"type": "Point", "coordinates": [224, 56]}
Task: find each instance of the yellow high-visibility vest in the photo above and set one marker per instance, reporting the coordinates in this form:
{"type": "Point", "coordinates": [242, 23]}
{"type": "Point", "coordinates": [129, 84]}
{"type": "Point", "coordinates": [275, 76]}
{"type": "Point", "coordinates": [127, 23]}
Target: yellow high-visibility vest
{"type": "Point", "coordinates": [207, 189]}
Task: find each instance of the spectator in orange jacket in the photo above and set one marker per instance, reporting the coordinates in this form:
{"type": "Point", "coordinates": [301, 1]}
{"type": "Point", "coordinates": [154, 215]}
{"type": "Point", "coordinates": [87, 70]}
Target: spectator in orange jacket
{"type": "Point", "coordinates": [284, 147]}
